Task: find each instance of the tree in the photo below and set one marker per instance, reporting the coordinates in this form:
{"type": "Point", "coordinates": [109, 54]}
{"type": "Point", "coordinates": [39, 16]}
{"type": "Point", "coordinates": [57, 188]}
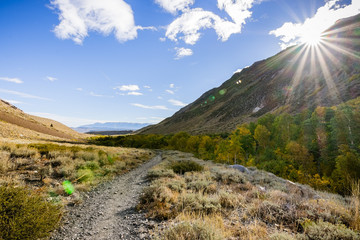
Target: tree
{"type": "Point", "coordinates": [262, 136]}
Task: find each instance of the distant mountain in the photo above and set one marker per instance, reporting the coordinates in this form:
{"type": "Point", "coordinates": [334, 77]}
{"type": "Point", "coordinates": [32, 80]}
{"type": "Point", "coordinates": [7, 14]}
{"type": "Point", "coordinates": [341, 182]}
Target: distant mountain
{"type": "Point", "coordinates": [300, 77]}
{"type": "Point", "coordinates": [14, 123]}
{"type": "Point", "coordinates": [110, 126]}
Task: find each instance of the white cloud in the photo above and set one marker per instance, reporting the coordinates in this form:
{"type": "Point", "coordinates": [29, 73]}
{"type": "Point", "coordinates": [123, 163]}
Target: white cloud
{"type": "Point", "coordinates": [173, 6]}
{"type": "Point", "coordinates": [183, 52]}
{"type": "Point", "coordinates": [147, 87]}
{"type": "Point", "coordinates": [192, 21]}
{"type": "Point", "coordinates": [23, 95]}
{"type": "Point", "coordinates": [172, 85]}
{"type": "Point", "coordinates": [291, 33]}
{"type": "Point", "coordinates": [177, 103]}
{"type": "Point", "coordinates": [79, 89]}
{"type": "Point", "coordinates": [169, 91]}
{"type": "Point", "coordinates": [159, 97]}
{"type": "Point", "coordinates": [158, 107]}
{"type": "Point", "coordinates": [128, 88]}
{"type": "Point", "coordinates": [135, 93]}
{"type": "Point", "coordinates": [13, 80]}
{"type": "Point", "coordinates": [162, 39]}
{"type": "Point", "coordinates": [78, 17]}
{"type": "Point", "coordinates": [51, 79]}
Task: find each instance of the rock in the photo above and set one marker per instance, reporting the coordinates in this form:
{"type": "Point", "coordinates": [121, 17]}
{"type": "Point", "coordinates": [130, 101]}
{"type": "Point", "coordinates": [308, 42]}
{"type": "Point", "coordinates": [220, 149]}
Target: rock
{"type": "Point", "coordinates": [240, 168]}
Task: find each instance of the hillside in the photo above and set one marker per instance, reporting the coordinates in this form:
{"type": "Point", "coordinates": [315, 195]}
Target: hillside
{"type": "Point", "coordinates": [300, 77]}
{"type": "Point", "coordinates": [14, 123]}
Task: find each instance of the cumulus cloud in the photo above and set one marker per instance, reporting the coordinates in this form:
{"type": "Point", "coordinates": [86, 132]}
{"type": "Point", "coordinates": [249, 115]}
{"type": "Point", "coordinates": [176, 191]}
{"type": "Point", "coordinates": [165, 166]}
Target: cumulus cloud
{"type": "Point", "coordinates": [169, 91]}
{"type": "Point", "coordinates": [13, 80]}
{"type": "Point", "coordinates": [158, 107]}
{"type": "Point", "coordinates": [183, 52]}
{"type": "Point", "coordinates": [173, 6]}
{"type": "Point", "coordinates": [291, 33]}
{"type": "Point", "coordinates": [78, 17]}
{"type": "Point", "coordinates": [177, 103]}
{"type": "Point", "coordinates": [127, 88]}
{"type": "Point", "coordinates": [189, 24]}
{"type": "Point", "coordinates": [51, 79]}
{"type": "Point", "coordinates": [23, 95]}
{"type": "Point", "coordinates": [172, 85]}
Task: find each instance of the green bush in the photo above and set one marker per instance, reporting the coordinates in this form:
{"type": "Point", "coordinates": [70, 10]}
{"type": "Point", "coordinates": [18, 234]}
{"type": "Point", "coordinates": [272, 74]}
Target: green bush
{"type": "Point", "coordinates": [24, 215]}
{"type": "Point", "coordinates": [327, 231]}
{"type": "Point", "coordinates": [181, 167]}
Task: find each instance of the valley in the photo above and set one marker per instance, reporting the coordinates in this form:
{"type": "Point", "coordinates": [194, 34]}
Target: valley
{"type": "Point", "coordinates": [273, 153]}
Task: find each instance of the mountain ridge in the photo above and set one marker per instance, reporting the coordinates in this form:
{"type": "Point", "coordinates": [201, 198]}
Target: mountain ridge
{"type": "Point", "coordinates": [297, 78]}
{"type": "Point", "coordinates": [110, 126]}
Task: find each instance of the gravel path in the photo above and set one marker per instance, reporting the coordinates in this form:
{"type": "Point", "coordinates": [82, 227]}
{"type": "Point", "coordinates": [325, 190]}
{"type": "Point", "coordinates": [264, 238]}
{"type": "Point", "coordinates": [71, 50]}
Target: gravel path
{"type": "Point", "coordinates": [108, 211]}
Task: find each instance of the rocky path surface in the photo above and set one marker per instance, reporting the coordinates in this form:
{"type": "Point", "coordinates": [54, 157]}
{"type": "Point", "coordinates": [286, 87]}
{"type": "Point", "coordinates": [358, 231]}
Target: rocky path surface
{"type": "Point", "coordinates": [109, 212]}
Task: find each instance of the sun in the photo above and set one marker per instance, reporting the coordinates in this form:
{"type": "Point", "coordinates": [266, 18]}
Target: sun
{"type": "Point", "coordinates": [311, 37]}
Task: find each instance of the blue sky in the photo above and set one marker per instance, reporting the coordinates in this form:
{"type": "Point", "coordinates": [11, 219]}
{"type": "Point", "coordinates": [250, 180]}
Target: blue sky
{"type": "Point", "coordinates": [85, 61]}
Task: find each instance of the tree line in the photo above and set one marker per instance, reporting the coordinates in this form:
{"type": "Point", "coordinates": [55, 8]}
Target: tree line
{"type": "Point", "coordinates": [319, 147]}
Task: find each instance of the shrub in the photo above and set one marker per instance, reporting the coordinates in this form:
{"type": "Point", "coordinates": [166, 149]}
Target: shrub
{"type": "Point", "coordinates": [191, 228]}
{"type": "Point", "coordinates": [23, 152]}
{"type": "Point", "coordinates": [326, 231]}
{"type": "Point", "coordinates": [92, 165]}
{"type": "Point", "coordinates": [87, 156]}
{"type": "Point", "coordinates": [177, 184]}
{"type": "Point", "coordinates": [198, 203]}
{"type": "Point", "coordinates": [228, 176]}
{"type": "Point", "coordinates": [181, 167]}
{"type": "Point", "coordinates": [160, 172]}
{"type": "Point", "coordinates": [281, 236]}
{"type": "Point", "coordinates": [85, 175]}
{"type": "Point", "coordinates": [4, 161]}
{"type": "Point", "coordinates": [229, 200]}
{"type": "Point", "coordinates": [158, 199]}
{"type": "Point", "coordinates": [24, 215]}
{"type": "Point", "coordinates": [253, 231]}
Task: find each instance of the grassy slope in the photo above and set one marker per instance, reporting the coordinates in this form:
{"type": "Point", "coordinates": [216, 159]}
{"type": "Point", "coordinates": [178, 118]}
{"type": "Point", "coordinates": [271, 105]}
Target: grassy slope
{"type": "Point", "coordinates": [223, 203]}
{"type": "Point", "coordinates": [14, 123]}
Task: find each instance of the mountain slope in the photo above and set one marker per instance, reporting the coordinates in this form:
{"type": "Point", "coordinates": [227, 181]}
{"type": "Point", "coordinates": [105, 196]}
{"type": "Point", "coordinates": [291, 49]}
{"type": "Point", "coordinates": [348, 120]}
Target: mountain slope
{"type": "Point", "coordinates": [14, 123]}
{"type": "Point", "coordinates": [297, 78]}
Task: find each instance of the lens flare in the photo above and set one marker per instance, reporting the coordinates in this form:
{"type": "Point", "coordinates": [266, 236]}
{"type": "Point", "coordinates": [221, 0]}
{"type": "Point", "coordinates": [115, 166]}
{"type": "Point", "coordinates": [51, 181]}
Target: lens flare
{"type": "Point", "coordinates": [68, 187]}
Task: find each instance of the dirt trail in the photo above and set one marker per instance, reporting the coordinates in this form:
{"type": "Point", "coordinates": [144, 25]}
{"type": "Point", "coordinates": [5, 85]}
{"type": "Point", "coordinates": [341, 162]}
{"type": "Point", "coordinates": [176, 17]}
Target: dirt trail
{"type": "Point", "coordinates": [108, 211]}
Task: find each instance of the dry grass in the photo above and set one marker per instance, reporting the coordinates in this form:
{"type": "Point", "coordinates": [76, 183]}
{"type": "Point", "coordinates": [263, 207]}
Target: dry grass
{"type": "Point", "coordinates": [257, 205]}
{"type": "Point", "coordinates": [42, 168]}
{"type": "Point", "coordinates": [192, 226]}
{"type": "Point", "coordinates": [355, 202]}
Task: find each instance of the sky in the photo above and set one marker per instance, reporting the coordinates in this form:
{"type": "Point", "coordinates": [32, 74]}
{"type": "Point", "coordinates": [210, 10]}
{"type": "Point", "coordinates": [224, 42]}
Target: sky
{"type": "Point", "coordinates": [87, 61]}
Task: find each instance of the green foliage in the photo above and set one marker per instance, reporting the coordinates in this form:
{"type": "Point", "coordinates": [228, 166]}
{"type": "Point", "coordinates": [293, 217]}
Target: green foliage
{"type": "Point", "coordinates": [25, 215]}
{"type": "Point", "coordinates": [184, 166]}
{"type": "Point", "coordinates": [319, 147]}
